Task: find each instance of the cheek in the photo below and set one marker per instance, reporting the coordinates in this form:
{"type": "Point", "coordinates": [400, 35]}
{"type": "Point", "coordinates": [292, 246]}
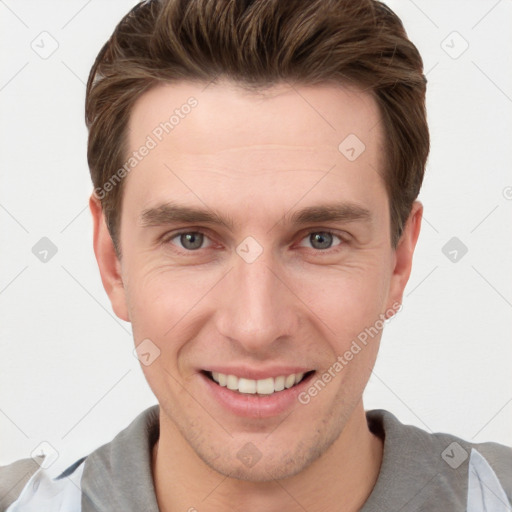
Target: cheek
{"type": "Point", "coordinates": [346, 300]}
{"type": "Point", "coordinates": [163, 322]}
{"type": "Point", "coordinates": [157, 292]}
{"type": "Point", "coordinates": [168, 305]}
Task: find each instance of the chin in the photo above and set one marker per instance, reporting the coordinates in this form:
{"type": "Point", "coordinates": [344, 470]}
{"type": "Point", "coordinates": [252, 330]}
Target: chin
{"type": "Point", "coordinates": [261, 472]}
{"type": "Point", "coordinates": [273, 462]}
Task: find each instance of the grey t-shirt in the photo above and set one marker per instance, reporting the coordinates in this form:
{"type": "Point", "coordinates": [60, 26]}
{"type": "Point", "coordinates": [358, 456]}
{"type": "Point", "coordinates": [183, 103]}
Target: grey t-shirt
{"type": "Point", "coordinates": [420, 472]}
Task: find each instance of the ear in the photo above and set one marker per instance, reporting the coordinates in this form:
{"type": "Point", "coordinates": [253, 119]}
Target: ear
{"type": "Point", "coordinates": [108, 262]}
{"type": "Point", "coordinates": [403, 256]}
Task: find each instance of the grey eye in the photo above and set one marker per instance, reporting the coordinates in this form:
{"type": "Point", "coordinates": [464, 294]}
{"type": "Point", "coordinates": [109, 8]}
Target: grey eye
{"type": "Point", "coordinates": [192, 240]}
{"type": "Point", "coordinates": [321, 240]}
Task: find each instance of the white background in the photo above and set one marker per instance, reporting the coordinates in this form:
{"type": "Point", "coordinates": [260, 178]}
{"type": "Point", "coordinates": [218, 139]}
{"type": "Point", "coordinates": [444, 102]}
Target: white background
{"type": "Point", "coordinates": [67, 372]}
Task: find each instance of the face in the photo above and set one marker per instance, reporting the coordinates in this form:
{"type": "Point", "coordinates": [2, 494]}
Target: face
{"type": "Point", "coordinates": [256, 249]}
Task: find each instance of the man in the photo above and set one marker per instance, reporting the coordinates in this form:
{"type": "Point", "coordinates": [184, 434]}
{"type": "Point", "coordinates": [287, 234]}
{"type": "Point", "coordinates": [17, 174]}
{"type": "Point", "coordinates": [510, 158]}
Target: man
{"type": "Point", "coordinates": [256, 167]}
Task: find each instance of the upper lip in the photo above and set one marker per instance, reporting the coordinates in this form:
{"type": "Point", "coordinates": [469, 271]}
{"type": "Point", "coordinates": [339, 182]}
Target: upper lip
{"type": "Point", "coordinates": [247, 372]}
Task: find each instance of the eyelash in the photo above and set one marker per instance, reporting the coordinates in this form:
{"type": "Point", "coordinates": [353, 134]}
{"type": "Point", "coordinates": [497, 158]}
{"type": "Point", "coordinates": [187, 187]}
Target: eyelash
{"type": "Point", "coordinates": [166, 239]}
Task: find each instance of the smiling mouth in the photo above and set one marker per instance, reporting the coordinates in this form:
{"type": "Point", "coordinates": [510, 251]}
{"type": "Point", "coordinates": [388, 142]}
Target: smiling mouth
{"type": "Point", "coordinates": [268, 386]}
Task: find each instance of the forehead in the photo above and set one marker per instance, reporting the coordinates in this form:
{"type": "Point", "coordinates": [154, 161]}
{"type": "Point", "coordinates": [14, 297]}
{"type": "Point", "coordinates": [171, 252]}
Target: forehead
{"type": "Point", "coordinates": [225, 113]}
{"type": "Point", "coordinates": [217, 138]}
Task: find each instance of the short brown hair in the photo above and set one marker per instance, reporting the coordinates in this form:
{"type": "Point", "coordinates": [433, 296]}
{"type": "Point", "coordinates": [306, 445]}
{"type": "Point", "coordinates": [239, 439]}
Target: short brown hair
{"type": "Point", "coordinates": [257, 44]}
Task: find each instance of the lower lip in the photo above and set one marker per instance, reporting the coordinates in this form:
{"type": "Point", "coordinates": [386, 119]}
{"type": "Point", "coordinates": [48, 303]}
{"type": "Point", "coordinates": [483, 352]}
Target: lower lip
{"type": "Point", "coordinates": [253, 405]}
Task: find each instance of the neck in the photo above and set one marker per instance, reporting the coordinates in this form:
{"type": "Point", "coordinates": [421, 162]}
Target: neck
{"type": "Point", "coordinates": [340, 480]}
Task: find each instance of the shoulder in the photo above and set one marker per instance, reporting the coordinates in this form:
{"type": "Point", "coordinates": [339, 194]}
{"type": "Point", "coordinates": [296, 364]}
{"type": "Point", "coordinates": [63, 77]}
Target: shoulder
{"type": "Point", "coordinates": [489, 475]}
{"type": "Point", "coordinates": [14, 477]}
{"type": "Point", "coordinates": [442, 467]}
{"type": "Point", "coordinates": [499, 457]}
{"type": "Point", "coordinates": [28, 486]}
{"type": "Point", "coordinates": [119, 471]}
{"type": "Point", "coordinates": [456, 452]}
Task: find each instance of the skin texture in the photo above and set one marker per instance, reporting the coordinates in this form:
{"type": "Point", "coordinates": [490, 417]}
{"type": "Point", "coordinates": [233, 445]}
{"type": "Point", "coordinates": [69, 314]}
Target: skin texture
{"type": "Point", "coordinates": [256, 158]}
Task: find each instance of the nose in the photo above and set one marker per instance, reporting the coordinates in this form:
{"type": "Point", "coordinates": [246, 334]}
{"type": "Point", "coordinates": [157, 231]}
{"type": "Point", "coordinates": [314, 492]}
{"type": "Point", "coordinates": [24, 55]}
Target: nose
{"type": "Point", "coordinates": [257, 306]}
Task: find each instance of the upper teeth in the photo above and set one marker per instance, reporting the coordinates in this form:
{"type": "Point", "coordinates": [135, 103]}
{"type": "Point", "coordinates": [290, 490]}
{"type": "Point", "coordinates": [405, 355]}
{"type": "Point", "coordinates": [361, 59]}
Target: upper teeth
{"type": "Point", "coordinates": [261, 386]}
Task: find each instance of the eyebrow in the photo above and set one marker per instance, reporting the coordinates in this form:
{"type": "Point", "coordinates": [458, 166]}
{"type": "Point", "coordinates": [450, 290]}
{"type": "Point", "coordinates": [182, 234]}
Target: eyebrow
{"type": "Point", "coordinates": [169, 212]}
{"type": "Point", "coordinates": [341, 212]}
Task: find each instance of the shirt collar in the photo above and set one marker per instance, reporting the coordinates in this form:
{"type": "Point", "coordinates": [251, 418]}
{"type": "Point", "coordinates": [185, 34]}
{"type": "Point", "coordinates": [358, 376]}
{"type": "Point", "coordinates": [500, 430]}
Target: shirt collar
{"type": "Point", "coordinates": [118, 475]}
